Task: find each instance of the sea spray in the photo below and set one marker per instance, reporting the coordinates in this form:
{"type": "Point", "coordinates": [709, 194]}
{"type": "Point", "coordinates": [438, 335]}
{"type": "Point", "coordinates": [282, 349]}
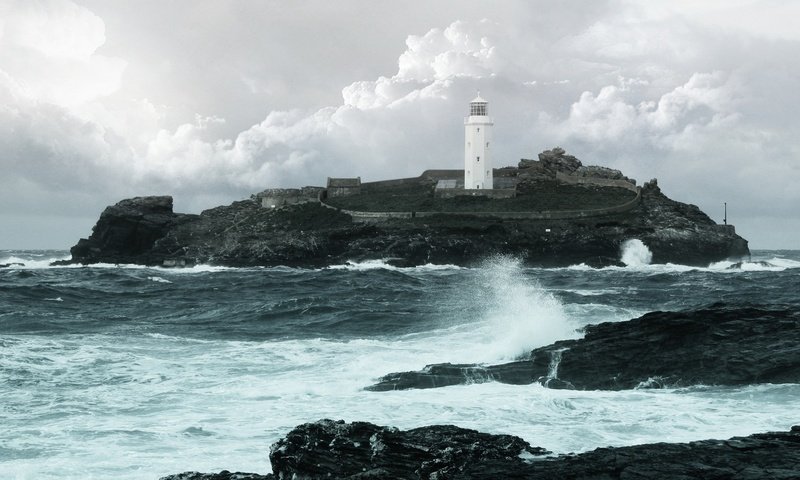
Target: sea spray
{"type": "Point", "coordinates": [635, 253]}
{"type": "Point", "coordinates": [517, 314]}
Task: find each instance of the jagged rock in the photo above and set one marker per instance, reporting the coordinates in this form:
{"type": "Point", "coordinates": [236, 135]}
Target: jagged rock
{"type": "Point", "coordinates": [359, 450]}
{"type": "Point", "coordinates": [602, 172]}
{"type": "Point", "coordinates": [364, 450]}
{"type": "Point", "coordinates": [718, 345]}
{"type": "Point", "coordinates": [127, 232]}
{"type": "Point", "coordinates": [223, 475]}
{"type": "Point", "coordinates": [557, 160]}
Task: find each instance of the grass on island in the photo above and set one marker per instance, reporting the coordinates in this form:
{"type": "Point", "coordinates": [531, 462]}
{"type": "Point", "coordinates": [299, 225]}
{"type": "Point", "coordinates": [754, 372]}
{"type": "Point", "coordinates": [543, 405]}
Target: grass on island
{"type": "Point", "coordinates": [544, 196]}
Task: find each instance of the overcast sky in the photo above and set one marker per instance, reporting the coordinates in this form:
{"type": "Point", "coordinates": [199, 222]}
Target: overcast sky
{"type": "Point", "coordinates": [212, 100]}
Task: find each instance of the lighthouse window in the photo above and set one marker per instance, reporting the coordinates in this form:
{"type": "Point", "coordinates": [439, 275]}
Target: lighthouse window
{"type": "Point", "coordinates": [479, 129]}
{"type": "Point", "coordinates": [487, 144]}
{"type": "Point", "coordinates": [479, 159]}
{"type": "Point", "coordinates": [478, 109]}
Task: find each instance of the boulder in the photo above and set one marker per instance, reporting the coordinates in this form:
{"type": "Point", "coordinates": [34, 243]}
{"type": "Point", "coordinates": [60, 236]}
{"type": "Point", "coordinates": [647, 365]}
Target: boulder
{"type": "Point", "coordinates": [365, 450]}
{"type": "Point", "coordinates": [558, 160]}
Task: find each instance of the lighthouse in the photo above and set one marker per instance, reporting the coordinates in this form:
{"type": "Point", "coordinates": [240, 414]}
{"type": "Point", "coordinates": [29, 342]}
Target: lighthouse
{"type": "Point", "coordinates": [477, 144]}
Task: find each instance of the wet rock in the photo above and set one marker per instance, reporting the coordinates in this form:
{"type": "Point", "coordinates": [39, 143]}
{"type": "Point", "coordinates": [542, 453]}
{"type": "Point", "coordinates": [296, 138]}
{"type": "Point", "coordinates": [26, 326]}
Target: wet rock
{"type": "Point", "coordinates": [364, 450]}
{"type": "Point", "coordinates": [359, 450]}
{"type": "Point", "coordinates": [718, 345]}
{"type": "Point", "coordinates": [223, 475]}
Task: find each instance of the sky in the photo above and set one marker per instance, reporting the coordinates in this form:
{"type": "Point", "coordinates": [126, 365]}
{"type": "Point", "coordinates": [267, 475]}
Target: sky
{"type": "Point", "coordinates": [211, 101]}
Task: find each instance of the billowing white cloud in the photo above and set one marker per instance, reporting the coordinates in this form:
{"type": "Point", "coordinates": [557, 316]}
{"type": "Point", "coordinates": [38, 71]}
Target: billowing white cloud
{"type": "Point", "coordinates": [48, 53]}
{"type": "Point", "coordinates": [706, 100]}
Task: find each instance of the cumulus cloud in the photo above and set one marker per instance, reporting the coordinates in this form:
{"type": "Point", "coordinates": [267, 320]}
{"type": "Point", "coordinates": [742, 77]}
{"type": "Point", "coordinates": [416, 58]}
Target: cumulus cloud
{"type": "Point", "coordinates": [48, 53]}
{"type": "Point", "coordinates": [706, 100]}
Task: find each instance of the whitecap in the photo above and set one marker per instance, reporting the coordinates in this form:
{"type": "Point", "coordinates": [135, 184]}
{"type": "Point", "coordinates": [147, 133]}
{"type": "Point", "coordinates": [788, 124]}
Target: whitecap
{"type": "Point", "coordinates": [158, 279]}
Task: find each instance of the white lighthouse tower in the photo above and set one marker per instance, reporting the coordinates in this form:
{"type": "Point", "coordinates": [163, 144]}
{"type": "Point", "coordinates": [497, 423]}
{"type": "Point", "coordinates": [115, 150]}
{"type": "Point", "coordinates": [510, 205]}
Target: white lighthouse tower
{"type": "Point", "coordinates": [477, 153]}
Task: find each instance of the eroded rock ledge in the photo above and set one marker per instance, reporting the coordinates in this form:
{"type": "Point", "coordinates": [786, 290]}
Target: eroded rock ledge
{"type": "Point", "coordinates": [359, 450]}
{"type": "Point", "coordinates": [718, 345]}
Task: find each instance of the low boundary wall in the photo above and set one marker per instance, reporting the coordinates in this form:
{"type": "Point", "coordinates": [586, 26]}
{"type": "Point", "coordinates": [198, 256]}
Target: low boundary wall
{"type": "Point", "coordinates": [368, 217]}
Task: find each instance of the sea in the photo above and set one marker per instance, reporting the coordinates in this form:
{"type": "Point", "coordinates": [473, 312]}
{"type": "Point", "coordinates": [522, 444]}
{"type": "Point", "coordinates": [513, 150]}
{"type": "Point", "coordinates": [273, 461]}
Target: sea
{"type": "Point", "coordinates": [131, 372]}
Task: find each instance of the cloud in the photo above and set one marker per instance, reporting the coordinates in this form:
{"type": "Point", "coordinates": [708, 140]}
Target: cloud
{"type": "Point", "coordinates": [706, 100]}
{"type": "Point", "coordinates": [653, 91]}
{"type": "Point", "coordinates": [48, 53]}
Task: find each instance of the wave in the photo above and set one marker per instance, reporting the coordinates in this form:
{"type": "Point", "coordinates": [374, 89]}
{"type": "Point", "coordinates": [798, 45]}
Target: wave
{"type": "Point", "coordinates": [514, 312]}
{"type": "Point", "coordinates": [30, 261]}
{"type": "Point", "coordinates": [384, 265]}
{"type": "Point", "coordinates": [774, 264]}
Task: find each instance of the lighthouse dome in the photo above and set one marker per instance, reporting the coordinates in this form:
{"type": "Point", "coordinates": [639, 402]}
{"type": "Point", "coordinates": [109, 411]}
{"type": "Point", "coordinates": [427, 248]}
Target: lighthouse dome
{"type": "Point", "coordinates": [477, 107]}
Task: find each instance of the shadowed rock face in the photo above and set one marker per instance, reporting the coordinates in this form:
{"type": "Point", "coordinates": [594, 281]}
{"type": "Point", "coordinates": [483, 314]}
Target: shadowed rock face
{"type": "Point", "coordinates": [718, 345]}
{"type": "Point", "coordinates": [359, 450]}
{"type": "Point", "coordinates": [144, 230]}
{"type": "Point", "coordinates": [127, 232]}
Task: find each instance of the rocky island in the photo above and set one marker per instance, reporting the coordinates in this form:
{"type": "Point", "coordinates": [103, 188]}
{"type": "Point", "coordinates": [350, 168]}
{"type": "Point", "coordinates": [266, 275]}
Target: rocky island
{"type": "Point", "coordinates": [549, 212]}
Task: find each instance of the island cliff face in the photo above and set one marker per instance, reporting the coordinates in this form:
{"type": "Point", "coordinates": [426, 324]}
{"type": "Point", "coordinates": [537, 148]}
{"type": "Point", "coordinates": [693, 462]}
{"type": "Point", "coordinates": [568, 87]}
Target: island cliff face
{"type": "Point", "coordinates": [145, 230]}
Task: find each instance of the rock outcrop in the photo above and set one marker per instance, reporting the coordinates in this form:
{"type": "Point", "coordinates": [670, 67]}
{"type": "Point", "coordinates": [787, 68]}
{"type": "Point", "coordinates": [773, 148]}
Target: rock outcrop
{"type": "Point", "coordinates": [144, 230]}
{"type": "Point", "coordinates": [718, 345]}
{"type": "Point", "coordinates": [359, 450]}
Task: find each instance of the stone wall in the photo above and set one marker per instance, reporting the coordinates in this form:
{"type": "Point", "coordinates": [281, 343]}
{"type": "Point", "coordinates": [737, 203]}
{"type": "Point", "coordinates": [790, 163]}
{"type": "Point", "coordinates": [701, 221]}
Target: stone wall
{"type": "Point", "coordinates": [340, 187]}
{"type": "Point", "coordinates": [461, 192]}
{"type": "Point", "coordinates": [375, 217]}
{"type": "Point", "coordinates": [279, 197]}
{"type": "Point", "coordinates": [395, 182]}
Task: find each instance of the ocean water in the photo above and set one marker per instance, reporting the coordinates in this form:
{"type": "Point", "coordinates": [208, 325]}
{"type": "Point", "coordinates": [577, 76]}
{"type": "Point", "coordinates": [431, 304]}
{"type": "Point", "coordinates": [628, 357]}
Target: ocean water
{"type": "Point", "coordinates": [126, 372]}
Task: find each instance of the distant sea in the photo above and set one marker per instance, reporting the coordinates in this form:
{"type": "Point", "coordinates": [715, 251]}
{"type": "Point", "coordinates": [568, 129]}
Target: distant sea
{"type": "Point", "coordinates": [127, 372]}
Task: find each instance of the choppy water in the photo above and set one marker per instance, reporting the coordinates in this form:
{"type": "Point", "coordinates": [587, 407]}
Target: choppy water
{"type": "Point", "coordinates": [132, 373]}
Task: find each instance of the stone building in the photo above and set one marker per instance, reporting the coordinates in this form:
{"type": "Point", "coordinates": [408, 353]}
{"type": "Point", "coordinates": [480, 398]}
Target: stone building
{"type": "Point", "coordinates": [339, 187]}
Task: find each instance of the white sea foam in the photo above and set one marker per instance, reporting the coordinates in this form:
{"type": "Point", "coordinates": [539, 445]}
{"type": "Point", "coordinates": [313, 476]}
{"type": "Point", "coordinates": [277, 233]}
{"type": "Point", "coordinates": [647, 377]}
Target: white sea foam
{"type": "Point", "coordinates": [774, 264]}
{"type": "Point", "coordinates": [635, 253]}
{"type": "Point", "coordinates": [158, 279]}
{"type": "Point", "coordinates": [30, 262]}
{"type": "Point", "coordinates": [93, 406]}
{"type": "Point", "coordinates": [505, 312]}
{"type": "Point", "coordinates": [384, 264]}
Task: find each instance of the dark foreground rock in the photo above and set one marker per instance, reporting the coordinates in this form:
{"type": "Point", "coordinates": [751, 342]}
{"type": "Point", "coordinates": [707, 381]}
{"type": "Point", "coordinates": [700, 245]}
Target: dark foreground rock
{"type": "Point", "coordinates": [718, 345]}
{"type": "Point", "coordinates": [223, 475]}
{"type": "Point", "coordinates": [145, 230]}
{"type": "Point", "coordinates": [359, 450]}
